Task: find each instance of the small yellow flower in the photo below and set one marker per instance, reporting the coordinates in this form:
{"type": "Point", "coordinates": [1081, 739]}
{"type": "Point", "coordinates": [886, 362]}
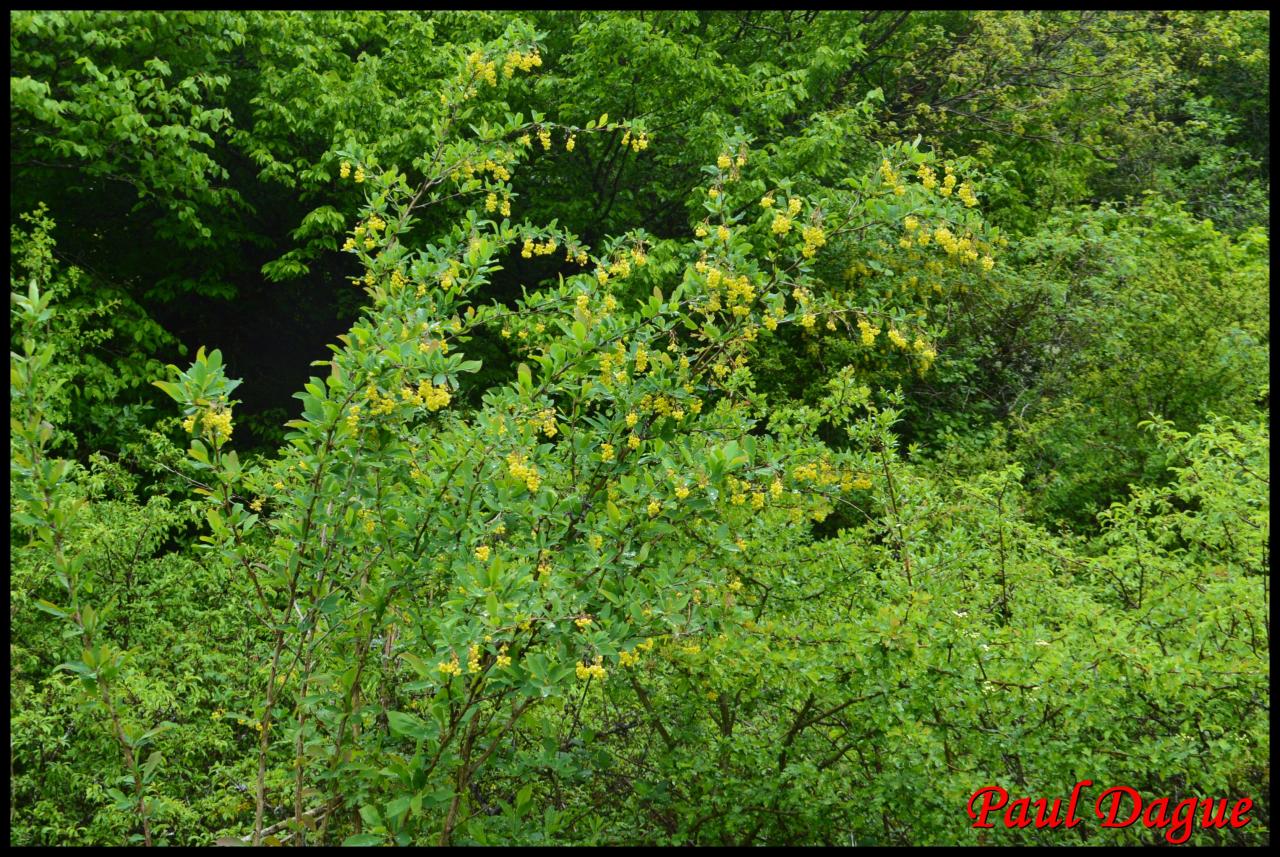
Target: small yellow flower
{"type": "Point", "coordinates": [482, 553]}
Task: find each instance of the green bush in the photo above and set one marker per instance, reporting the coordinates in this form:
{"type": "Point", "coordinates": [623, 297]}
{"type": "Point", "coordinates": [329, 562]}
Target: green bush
{"type": "Point", "coordinates": [704, 464]}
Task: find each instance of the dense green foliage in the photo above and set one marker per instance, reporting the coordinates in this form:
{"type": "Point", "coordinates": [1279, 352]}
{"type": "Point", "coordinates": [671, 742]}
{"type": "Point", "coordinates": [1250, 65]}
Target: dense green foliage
{"type": "Point", "coordinates": [734, 428]}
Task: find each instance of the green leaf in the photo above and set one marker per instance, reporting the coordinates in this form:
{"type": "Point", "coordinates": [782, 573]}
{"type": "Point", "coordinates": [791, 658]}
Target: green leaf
{"type": "Point", "coordinates": [362, 839]}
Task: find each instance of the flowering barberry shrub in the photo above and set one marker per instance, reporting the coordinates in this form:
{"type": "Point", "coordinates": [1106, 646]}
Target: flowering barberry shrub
{"type": "Point", "coordinates": [430, 575]}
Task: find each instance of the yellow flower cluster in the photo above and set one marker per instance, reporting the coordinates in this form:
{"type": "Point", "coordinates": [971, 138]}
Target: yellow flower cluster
{"type": "Point", "coordinates": [966, 195]}
{"type": "Point", "coordinates": [515, 60]}
{"type": "Point", "coordinates": [546, 420]}
{"type": "Point", "coordinates": [427, 394]}
{"type": "Point", "coordinates": [665, 406]}
{"type": "Point", "coordinates": [738, 290]}
{"type": "Point", "coordinates": [219, 423]}
{"type": "Point", "coordinates": [482, 553]}
{"type": "Point", "coordinates": [450, 667]}
{"type": "Point", "coordinates": [928, 177]}
{"type": "Point", "coordinates": [473, 659]}
{"type": "Point", "coordinates": [897, 338]}
{"type": "Point", "coordinates": [480, 67]}
{"type": "Point", "coordinates": [344, 170]}
{"type": "Point", "coordinates": [524, 471]}
{"type": "Point", "coordinates": [501, 173]}
{"type": "Point", "coordinates": [620, 267]}
{"type": "Point", "coordinates": [569, 143]}
{"type": "Point", "coordinates": [962, 247]}
{"type": "Point", "coordinates": [868, 331]}
{"type": "Point", "coordinates": [376, 403]}
{"type": "Point", "coordinates": [947, 240]}
{"type": "Point", "coordinates": [948, 183]}
{"type": "Point", "coordinates": [628, 659]}
{"type": "Point", "coordinates": [503, 659]}
{"type": "Point", "coordinates": [926, 352]}
{"type": "Point", "coordinates": [596, 541]}
{"type": "Point", "coordinates": [450, 275]}
{"type": "Point", "coordinates": [606, 452]}
{"type": "Point", "coordinates": [359, 176]}
{"type": "Point", "coordinates": [613, 366]}
{"type": "Point", "coordinates": [596, 670]}
{"type": "Point", "coordinates": [654, 508]}
{"type": "Point", "coordinates": [886, 172]}
{"type": "Point", "coordinates": [583, 621]}
{"type": "Point", "coordinates": [814, 238]}
{"type": "Point", "coordinates": [638, 144]}
{"type": "Point", "coordinates": [819, 472]}
{"type": "Point", "coordinates": [544, 137]}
